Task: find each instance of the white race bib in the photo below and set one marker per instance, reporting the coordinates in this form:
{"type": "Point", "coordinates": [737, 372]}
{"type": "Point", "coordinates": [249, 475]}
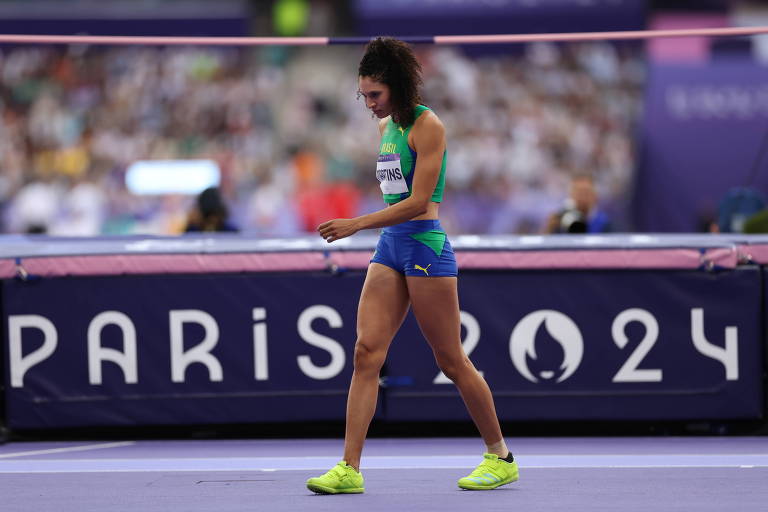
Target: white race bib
{"type": "Point", "coordinates": [390, 174]}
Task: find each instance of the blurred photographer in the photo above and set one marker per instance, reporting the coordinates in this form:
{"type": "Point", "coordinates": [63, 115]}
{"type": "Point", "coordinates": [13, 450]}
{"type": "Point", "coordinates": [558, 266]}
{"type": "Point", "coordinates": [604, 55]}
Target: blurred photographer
{"type": "Point", "coordinates": [210, 214]}
{"type": "Point", "coordinates": [580, 213]}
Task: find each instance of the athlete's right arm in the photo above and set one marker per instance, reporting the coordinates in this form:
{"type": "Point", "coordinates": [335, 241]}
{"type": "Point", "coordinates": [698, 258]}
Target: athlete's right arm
{"type": "Point", "coordinates": [429, 142]}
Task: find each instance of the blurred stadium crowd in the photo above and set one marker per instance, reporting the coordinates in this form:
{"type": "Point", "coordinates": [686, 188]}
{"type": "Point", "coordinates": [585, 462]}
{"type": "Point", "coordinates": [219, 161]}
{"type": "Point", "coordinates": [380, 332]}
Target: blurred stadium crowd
{"type": "Point", "coordinates": [294, 146]}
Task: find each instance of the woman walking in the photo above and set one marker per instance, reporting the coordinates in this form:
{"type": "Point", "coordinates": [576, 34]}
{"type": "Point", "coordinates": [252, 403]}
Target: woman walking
{"type": "Point", "coordinates": [413, 265]}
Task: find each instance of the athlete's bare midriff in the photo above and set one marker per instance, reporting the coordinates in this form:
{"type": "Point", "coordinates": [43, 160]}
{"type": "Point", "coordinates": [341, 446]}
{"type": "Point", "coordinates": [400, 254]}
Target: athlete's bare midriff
{"type": "Point", "coordinates": [432, 212]}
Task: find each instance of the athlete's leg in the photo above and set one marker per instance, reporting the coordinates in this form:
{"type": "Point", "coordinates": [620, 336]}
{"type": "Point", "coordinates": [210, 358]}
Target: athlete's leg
{"type": "Point", "coordinates": [435, 304]}
{"type": "Point", "coordinates": [382, 308]}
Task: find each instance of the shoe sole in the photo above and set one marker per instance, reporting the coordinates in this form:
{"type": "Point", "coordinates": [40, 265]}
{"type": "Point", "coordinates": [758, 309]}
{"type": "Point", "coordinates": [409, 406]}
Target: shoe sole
{"type": "Point", "coordinates": [471, 487]}
{"type": "Point", "coordinates": [321, 489]}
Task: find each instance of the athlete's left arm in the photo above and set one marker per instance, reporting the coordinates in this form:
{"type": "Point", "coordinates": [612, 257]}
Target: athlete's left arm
{"type": "Point", "coordinates": [429, 142]}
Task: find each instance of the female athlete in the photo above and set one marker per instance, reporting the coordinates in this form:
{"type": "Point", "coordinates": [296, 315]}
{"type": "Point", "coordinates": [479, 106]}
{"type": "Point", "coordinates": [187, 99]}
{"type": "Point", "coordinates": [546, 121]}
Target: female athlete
{"type": "Point", "coordinates": [413, 265]}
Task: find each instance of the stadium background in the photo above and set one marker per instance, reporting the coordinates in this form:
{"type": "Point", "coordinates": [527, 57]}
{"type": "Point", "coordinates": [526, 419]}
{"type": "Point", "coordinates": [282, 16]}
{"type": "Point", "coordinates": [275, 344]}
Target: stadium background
{"type": "Point", "coordinates": [282, 125]}
{"type": "Point", "coordinates": [669, 129]}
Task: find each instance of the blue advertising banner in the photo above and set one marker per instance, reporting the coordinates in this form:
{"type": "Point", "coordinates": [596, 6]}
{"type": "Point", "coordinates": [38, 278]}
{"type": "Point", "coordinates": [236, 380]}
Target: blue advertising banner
{"type": "Point", "coordinates": [599, 345]}
{"type": "Point", "coordinates": [702, 134]}
{"type": "Point", "coordinates": [151, 350]}
{"type": "Point", "coordinates": [178, 349]}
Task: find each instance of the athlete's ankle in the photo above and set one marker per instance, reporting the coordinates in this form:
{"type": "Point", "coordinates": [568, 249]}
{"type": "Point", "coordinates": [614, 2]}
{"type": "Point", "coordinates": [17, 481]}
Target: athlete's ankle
{"type": "Point", "coordinates": [499, 448]}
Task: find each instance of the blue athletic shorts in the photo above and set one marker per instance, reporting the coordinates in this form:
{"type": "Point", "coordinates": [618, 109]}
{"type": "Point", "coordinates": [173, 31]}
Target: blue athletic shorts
{"type": "Point", "coordinates": [416, 248]}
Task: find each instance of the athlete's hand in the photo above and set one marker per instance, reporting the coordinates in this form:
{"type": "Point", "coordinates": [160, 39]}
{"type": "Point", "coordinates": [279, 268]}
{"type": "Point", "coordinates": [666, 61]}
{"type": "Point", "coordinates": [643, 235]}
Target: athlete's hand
{"type": "Point", "coordinates": [337, 229]}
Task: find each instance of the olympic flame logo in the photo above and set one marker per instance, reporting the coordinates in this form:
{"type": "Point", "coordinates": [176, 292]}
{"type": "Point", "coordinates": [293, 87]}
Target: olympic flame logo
{"type": "Point", "coordinates": [558, 327]}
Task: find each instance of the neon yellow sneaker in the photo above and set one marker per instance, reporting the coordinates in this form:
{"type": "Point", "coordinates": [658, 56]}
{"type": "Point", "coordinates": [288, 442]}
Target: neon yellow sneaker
{"type": "Point", "coordinates": [340, 479]}
{"type": "Point", "coordinates": [490, 474]}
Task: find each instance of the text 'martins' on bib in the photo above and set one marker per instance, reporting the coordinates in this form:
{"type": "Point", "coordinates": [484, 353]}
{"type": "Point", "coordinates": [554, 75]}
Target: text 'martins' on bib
{"type": "Point", "coordinates": [390, 174]}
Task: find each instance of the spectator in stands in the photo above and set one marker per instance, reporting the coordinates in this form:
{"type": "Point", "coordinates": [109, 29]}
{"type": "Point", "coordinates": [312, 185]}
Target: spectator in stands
{"type": "Point", "coordinates": [516, 122]}
{"type": "Point", "coordinates": [210, 213]}
{"type": "Point", "coordinates": [36, 206]}
{"type": "Point", "coordinates": [740, 206]}
{"type": "Point", "coordinates": [581, 212]}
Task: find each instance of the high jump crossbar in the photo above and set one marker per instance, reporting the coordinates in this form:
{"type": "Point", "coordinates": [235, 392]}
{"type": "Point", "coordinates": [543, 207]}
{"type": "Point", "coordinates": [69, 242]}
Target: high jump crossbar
{"type": "Point", "coordinates": [322, 41]}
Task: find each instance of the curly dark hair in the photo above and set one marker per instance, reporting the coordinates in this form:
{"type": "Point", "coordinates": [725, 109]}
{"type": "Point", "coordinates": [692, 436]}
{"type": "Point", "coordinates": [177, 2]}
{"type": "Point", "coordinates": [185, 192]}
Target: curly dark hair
{"type": "Point", "coordinates": [393, 63]}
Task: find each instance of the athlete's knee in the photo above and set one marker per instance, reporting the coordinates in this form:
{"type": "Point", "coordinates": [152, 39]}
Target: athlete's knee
{"type": "Point", "coordinates": [368, 357]}
{"type": "Point", "coordinates": [455, 368]}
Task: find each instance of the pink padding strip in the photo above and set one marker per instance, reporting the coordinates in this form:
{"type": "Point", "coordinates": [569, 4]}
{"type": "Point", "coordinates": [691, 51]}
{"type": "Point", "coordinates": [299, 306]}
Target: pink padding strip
{"type": "Point", "coordinates": [754, 253]}
{"type": "Point", "coordinates": [168, 264]}
{"type": "Point", "coordinates": [578, 259]}
{"type": "Point", "coordinates": [596, 259]}
{"type": "Point", "coordinates": [352, 259]}
{"type": "Point", "coordinates": [722, 257]}
{"type": "Point", "coordinates": [7, 268]}
{"type": "Point", "coordinates": [307, 261]}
